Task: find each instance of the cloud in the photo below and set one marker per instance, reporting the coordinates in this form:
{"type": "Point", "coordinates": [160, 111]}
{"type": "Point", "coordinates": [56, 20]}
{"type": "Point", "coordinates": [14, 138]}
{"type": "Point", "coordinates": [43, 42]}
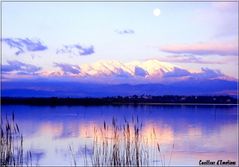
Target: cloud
{"type": "Point", "coordinates": [76, 49]}
{"type": "Point", "coordinates": [68, 68]}
{"type": "Point", "coordinates": [125, 31]}
{"type": "Point", "coordinates": [205, 73]}
{"type": "Point", "coordinates": [222, 49]}
{"type": "Point", "coordinates": [20, 68]}
{"type": "Point", "coordinates": [24, 45]}
{"type": "Point", "coordinates": [208, 74]}
{"type": "Point", "coordinates": [189, 59]}
{"type": "Point", "coordinates": [177, 72]}
{"type": "Point", "coordinates": [138, 71]}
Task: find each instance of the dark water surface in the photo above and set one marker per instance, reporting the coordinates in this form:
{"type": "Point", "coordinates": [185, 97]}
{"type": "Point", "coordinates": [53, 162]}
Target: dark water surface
{"type": "Point", "coordinates": [196, 132]}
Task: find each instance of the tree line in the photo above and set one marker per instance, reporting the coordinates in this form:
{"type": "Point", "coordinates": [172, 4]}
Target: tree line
{"type": "Point", "coordinates": [117, 100]}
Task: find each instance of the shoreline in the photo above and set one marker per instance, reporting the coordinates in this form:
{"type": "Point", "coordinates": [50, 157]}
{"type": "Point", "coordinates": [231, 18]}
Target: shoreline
{"type": "Point", "coordinates": [128, 100]}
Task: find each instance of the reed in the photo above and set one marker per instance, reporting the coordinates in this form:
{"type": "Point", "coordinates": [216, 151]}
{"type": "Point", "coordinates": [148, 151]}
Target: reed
{"type": "Point", "coordinates": [125, 145]}
{"type": "Point", "coordinates": [115, 145]}
{"type": "Point", "coordinates": [11, 150]}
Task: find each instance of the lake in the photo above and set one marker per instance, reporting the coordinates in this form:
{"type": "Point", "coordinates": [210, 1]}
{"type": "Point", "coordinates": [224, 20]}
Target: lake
{"type": "Point", "coordinates": [186, 134]}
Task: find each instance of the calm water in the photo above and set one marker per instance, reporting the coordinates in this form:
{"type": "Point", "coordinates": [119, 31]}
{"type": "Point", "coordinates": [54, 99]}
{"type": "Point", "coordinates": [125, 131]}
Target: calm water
{"type": "Point", "coordinates": [197, 132]}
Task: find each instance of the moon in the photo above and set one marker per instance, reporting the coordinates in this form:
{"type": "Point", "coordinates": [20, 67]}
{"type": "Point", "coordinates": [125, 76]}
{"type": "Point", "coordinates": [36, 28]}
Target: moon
{"type": "Point", "coordinates": [156, 12]}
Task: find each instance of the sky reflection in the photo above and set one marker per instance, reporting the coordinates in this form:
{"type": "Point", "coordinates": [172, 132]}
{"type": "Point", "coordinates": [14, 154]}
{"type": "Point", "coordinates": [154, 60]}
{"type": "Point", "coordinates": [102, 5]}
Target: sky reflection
{"type": "Point", "coordinates": [197, 132]}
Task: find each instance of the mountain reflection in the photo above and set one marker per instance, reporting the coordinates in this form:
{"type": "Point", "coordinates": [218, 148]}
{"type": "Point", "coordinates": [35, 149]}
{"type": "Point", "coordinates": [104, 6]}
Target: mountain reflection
{"type": "Point", "coordinates": [195, 132]}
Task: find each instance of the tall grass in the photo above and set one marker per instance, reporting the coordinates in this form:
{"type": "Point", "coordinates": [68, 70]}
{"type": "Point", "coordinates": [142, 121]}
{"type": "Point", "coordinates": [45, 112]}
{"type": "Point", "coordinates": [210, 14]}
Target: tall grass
{"type": "Point", "coordinates": [125, 145]}
{"type": "Point", "coordinates": [119, 146]}
{"type": "Point", "coordinates": [11, 150]}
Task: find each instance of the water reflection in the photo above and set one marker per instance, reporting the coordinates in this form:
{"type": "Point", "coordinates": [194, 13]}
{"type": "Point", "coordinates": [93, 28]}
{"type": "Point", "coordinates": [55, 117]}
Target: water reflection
{"type": "Point", "coordinates": [197, 132]}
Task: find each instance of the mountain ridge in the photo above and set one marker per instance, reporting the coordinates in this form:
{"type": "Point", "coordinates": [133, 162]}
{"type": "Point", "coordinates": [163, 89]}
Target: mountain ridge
{"type": "Point", "coordinates": [77, 89]}
{"type": "Point", "coordinates": [148, 71]}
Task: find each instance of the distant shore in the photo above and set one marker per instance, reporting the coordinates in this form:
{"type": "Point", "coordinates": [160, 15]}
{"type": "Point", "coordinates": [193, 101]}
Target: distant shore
{"type": "Point", "coordinates": [119, 100]}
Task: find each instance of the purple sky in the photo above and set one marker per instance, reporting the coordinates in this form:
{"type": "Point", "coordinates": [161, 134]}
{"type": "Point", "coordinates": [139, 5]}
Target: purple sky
{"type": "Point", "coordinates": [119, 42]}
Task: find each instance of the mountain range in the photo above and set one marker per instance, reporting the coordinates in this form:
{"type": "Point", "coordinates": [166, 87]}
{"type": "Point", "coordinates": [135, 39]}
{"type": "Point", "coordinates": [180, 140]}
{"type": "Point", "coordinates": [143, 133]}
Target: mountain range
{"type": "Point", "coordinates": [113, 78]}
{"type": "Point", "coordinates": [115, 72]}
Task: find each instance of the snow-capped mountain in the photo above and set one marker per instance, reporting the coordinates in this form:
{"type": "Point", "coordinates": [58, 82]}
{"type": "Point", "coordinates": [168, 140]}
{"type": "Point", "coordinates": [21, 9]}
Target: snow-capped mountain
{"type": "Point", "coordinates": [113, 78]}
{"type": "Point", "coordinates": [148, 71]}
{"type": "Point", "coordinates": [131, 69]}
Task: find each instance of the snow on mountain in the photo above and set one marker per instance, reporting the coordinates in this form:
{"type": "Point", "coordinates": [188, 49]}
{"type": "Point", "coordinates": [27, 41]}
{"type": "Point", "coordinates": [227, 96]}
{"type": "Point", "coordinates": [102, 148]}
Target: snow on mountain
{"type": "Point", "coordinates": [105, 68]}
{"type": "Point", "coordinates": [152, 67]}
{"type": "Point", "coordinates": [113, 68]}
{"type": "Point", "coordinates": [114, 78]}
{"type": "Point", "coordinates": [111, 71]}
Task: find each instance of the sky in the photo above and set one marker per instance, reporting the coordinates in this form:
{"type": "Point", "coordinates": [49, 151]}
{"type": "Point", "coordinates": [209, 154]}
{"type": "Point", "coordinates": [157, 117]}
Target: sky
{"type": "Point", "coordinates": [58, 38]}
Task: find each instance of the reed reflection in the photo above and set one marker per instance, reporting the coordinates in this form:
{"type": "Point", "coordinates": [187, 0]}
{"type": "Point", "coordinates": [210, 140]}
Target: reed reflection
{"type": "Point", "coordinates": [197, 132]}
